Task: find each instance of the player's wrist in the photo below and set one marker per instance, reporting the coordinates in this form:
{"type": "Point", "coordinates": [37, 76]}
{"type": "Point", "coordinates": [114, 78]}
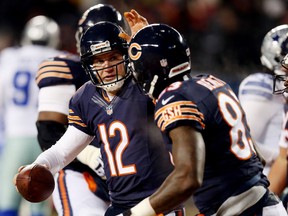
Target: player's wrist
{"type": "Point", "coordinates": [143, 208]}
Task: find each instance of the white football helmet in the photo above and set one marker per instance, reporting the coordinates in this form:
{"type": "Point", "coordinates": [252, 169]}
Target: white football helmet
{"type": "Point", "coordinates": [274, 48]}
{"type": "Point", "coordinates": [41, 30]}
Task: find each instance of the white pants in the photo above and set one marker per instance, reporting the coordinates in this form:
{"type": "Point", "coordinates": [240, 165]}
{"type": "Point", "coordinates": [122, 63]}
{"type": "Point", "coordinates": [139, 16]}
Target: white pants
{"type": "Point", "coordinates": [76, 197]}
{"type": "Point", "coordinates": [237, 204]}
{"type": "Point", "coordinates": [277, 210]}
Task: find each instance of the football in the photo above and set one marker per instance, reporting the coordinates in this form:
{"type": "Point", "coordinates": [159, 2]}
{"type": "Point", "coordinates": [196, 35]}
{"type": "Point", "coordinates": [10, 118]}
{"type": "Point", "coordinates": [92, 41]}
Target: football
{"type": "Point", "coordinates": [35, 183]}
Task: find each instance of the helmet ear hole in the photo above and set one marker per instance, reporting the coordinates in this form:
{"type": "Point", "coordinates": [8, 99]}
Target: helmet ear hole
{"type": "Point", "coordinates": [265, 62]}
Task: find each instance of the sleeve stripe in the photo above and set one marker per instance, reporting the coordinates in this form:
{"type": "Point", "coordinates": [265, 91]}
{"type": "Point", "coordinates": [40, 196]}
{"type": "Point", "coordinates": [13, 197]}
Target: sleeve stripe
{"type": "Point", "coordinates": [49, 63]}
{"type": "Point", "coordinates": [59, 70]}
{"type": "Point", "coordinates": [186, 112]}
{"type": "Point", "coordinates": [163, 124]}
{"type": "Point", "coordinates": [73, 119]}
{"type": "Point", "coordinates": [180, 110]}
{"type": "Point", "coordinates": [78, 123]}
{"type": "Point", "coordinates": [178, 103]}
{"type": "Point", "coordinates": [54, 74]}
{"type": "Point", "coordinates": [77, 118]}
{"type": "Point", "coordinates": [53, 68]}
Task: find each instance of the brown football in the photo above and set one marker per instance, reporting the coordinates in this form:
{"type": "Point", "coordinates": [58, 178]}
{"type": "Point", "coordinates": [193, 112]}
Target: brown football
{"type": "Point", "coordinates": [35, 183]}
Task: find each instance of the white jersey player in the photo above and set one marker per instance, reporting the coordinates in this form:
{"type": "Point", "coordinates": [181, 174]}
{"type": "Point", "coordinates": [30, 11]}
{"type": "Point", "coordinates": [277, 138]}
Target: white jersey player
{"type": "Point", "coordinates": [278, 173]}
{"type": "Point", "coordinates": [264, 110]}
{"type": "Point", "coordinates": [18, 97]}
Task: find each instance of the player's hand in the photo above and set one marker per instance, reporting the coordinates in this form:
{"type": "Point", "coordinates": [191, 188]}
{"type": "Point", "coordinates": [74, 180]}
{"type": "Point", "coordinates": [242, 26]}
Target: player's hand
{"type": "Point", "coordinates": [91, 156]}
{"type": "Point", "coordinates": [100, 168]}
{"type": "Point", "coordinates": [135, 21]}
{"type": "Point", "coordinates": [15, 176]}
{"type": "Point", "coordinates": [21, 168]}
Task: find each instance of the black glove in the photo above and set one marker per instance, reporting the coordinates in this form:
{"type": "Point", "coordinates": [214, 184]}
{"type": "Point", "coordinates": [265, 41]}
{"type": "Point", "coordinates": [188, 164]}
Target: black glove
{"type": "Point", "coordinates": [126, 213]}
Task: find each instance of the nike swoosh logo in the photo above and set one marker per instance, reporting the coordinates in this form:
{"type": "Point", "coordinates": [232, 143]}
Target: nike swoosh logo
{"type": "Point", "coordinates": [165, 101]}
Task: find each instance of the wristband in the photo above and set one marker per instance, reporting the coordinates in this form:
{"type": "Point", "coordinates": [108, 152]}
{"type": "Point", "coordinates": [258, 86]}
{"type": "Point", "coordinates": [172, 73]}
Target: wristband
{"type": "Point", "coordinates": [143, 208]}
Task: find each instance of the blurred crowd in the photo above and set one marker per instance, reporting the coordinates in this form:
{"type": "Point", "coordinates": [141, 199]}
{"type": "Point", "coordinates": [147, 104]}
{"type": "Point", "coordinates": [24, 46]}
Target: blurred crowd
{"type": "Point", "coordinates": [225, 35]}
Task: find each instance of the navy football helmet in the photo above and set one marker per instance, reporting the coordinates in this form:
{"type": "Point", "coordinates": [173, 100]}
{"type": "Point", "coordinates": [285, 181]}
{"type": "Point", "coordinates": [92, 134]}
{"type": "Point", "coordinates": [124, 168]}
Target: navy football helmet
{"type": "Point", "coordinates": [158, 56]}
{"type": "Point", "coordinates": [98, 13]}
{"type": "Point", "coordinates": [99, 39]}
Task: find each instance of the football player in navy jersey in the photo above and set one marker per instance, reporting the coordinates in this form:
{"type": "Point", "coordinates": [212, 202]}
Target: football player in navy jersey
{"type": "Point", "coordinates": [206, 130]}
{"type": "Point", "coordinates": [111, 110]}
{"type": "Point", "coordinates": [58, 78]}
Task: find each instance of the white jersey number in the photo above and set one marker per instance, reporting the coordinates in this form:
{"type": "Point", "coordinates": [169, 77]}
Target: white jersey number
{"type": "Point", "coordinates": [21, 83]}
{"type": "Point", "coordinates": [241, 145]}
{"type": "Point", "coordinates": [117, 168]}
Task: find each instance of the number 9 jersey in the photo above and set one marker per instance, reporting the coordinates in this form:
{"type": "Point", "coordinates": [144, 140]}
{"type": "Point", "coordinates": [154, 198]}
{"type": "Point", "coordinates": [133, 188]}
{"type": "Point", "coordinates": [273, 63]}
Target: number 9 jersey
{"type": "Point", "coordinates": [18, 91]}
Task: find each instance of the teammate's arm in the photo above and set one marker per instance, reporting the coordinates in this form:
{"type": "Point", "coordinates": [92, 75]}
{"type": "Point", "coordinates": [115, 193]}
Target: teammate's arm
{"type": "Point", "coordinates": [52, 113]}
{"type": "Point", "coordinates": [50, 126]}
{"type": "Point", "coordinates": [135, 21]}
{"type": "Point", "coordinates": [189, 159]}
{"type": "Point", "coordinates": [278, 173]}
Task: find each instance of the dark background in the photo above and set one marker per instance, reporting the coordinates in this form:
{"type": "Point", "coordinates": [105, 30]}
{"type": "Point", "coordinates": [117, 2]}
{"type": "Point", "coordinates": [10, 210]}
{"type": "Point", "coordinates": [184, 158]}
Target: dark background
{"type": "Point", "coordinates": [225, 36]}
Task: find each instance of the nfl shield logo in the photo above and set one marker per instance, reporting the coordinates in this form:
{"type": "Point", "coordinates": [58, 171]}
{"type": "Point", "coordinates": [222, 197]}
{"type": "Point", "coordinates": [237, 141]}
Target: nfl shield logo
{"type": "Point", "coordinates": [109, 110]}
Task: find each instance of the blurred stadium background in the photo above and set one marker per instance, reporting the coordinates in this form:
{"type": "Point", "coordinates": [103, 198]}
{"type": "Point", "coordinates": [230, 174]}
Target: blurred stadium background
{"type": "Point", "coordinates": [225, 35]}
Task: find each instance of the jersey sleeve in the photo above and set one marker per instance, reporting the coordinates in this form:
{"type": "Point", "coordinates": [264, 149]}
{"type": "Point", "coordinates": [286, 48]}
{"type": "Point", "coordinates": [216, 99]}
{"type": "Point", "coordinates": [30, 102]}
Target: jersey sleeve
{"type": "Point", "coordinates": [173, 110]}
{"type": "Point", "coordinates": [55, 98]}
{"type": "Point", "coordinates": [257, 86]}
{"type": "Point", "coordinates": [77, 111]}
{"type": "Point", "coordinates": [60, 70]}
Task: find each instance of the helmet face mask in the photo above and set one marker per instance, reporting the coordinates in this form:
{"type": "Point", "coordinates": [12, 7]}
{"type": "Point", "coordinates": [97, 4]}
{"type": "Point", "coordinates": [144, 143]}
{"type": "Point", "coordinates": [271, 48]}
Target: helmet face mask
{"type": "Point", "coordinates": [95, 14]}
{"type": "Point", "coordinates": [100, 40]}
{"type": "Point", "coordinates": [159, 56]}
{"type": "Point", "coordinates": [95, 74]}
{"type": "Point", "coordinates": [280, 84]}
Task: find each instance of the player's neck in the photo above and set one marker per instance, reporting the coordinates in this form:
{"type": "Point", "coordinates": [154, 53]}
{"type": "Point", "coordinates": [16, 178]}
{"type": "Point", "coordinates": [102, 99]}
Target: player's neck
{"type": "Point", "coordinates": [111, 94]}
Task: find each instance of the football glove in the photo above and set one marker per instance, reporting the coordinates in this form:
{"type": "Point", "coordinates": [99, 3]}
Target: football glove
{"type": "Point", "coordinates": [126, 213]}
{"type": "Point", "coordinates": [91, 156]}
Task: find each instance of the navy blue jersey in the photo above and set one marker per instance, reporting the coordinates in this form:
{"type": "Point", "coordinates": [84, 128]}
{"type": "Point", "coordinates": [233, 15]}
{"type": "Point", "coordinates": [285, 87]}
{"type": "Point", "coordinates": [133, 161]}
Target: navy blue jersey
{"type": "Point", "coordinates": [61, 70]}
{"type": "Point", "coordinates": [136, 162]}
{"type": "Point", "coordinates": [210, 106]}
{"type": "Point", "coordinates": [67, 70]}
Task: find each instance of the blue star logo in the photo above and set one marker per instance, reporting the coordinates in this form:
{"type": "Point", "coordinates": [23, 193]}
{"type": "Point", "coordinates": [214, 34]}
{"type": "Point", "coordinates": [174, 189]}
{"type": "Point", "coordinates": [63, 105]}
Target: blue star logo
{"type": "Point", "coordinates": [276, 38]}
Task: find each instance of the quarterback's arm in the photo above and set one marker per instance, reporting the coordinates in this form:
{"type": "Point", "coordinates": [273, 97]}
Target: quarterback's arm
{"type": "Point", "coordinates": [189, 158]}
{"type": "Point", "coordinates": [65, 150]}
